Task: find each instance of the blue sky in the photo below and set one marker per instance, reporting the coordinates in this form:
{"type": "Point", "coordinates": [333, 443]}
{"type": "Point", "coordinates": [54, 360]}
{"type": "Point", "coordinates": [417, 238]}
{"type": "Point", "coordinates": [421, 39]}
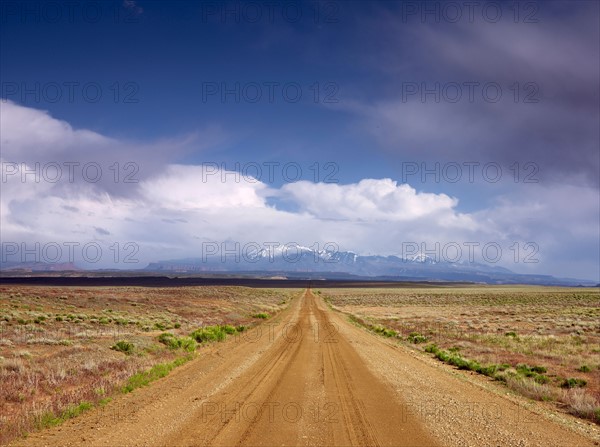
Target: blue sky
{"type": "Point", "coordinates": [386, 88]}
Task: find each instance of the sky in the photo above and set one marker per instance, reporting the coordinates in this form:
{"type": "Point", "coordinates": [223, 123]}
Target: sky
{"type": "Point", "coordinates": [141, 130]}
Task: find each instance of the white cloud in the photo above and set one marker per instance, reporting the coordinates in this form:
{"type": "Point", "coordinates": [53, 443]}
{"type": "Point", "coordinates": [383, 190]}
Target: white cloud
{"type": "Point", "coordinates": [200, 187]}
{"type": "Point", "coordinates": [31, 134]}
{"type": "Point", "coordinates": [175, 207]}
{"type": "Point", "coordinates": [367, 200]}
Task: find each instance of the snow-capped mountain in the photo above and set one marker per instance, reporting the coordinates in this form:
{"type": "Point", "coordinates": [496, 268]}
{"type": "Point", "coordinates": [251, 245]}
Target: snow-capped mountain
{"type": "Point", "coordinates": [297, 259]}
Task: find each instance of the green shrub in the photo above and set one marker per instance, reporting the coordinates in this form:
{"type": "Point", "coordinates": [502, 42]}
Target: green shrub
{"type": "Point", "coordinates": [173, 342]}
{"type": "Point", "coordinates": [530, 371]}
{"type": "Point", "coordinates": [384, 331]}
{"type": "Point", "coordinates": [573, 383]}
{"type": "Point", "coordinates": [49, 419]}
{"type": "Point", "coordinates": [169, 340]}
{"type": "Point", "coordinates": [416, 338]}
{"type": "Point", "coordinates": [489, 370]}
{"type": "Point", "coordinates": [165, 336]}
{"type": "Point", "coordinates": [432, 348]}
{"type": "Point", "coordinates": [455, 359]}
{"type": "Point", "coordinates": [261, 315]}
{"type": "Point", "coordinates": [123, 346]}
{"type": "Point", "coordinates": [228, 329]}
{"type": "Point", "coordinates": [76, 410]}
{"type": "Point", "coordinates": [209, 333]}
{"type": "Point", "coordinates": [188, 344]}
{"type": "Point", "coordinates": [584, 369]}
{"type": "Point", "coordinates": [215, 333]}
{"type": "Point", "coordinates": [156, 372]}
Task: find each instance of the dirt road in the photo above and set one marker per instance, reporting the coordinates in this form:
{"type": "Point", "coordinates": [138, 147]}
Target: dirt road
{"type": "Point", "coordinates": [311, 378]}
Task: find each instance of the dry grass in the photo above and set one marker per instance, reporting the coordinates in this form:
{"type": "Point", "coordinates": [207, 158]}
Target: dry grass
{"type": "Point", "coordinates": [551, 327]}
{"type": "Point", "coordinates": [55, 342]}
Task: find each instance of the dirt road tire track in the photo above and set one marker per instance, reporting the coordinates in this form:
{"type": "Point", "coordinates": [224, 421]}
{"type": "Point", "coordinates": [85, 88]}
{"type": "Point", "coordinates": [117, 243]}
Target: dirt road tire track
{"type": "Point", "coordinates": [309, 378]}
{"type": "Point", "coordinates": [354, 408]}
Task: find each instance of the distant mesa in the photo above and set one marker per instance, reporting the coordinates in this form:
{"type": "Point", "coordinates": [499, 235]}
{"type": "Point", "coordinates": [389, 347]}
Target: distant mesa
{"type": "Point", "coordinates": [26, 267]}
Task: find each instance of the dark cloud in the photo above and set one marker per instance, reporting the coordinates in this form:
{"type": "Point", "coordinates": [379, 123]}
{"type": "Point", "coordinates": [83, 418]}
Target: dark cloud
{"type": "Point", "coordinates": [553, 65]}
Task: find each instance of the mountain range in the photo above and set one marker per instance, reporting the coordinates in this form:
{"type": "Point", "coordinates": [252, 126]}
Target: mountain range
{"type": "Point", "coordinates": [299, 262]}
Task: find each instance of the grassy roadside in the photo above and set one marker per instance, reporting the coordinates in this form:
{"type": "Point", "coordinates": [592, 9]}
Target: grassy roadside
{"type": "Point", "coordinates": [544, 365]}
{"type": "Point", "coordinates": [144, 378]}
{"type": "Point", "coordinates": [529, 381]}
{"type": "Point", "coordinates": [64, 351]}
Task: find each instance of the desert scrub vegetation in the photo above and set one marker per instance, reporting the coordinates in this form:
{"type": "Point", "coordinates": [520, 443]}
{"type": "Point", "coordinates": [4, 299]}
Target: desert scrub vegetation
{"type": "Point", "coordinates": [514, 330]}
{"type": "Point", "coordinates": [413, 337]}
{"type": "Point", "coordinates": [376, 328]}
{"type": "Point", "coordinates": [123, 346]}
{"type": "Point", "coordinates": [529, 381]}
{"type": "Point", "coordinates": [158, 371]}
{"type": "Point", "coordinates": [55, 342]}
{"type": "Point", "coordinates": [381, 330]}
{"type": "Point", "coordinates": [173, 342]}
{"type": "Point", "coordinates": [416, 338]}
{"type": "Point", "coordinates": [573, 383]}
{"type": "Point", "coordinates": [452, 357]}
{"type": "Point", "coordinates": [215, 333]}
{"type": "Point", "coordinates": [50, 419]}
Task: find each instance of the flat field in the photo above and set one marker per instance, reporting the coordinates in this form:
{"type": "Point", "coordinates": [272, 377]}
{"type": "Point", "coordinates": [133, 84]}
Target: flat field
{"type": "Point", "coordinates": [65, 349]}
{"type": "Point", "coordinates": [542, 342]}
{"type": "Point", "coordinates": [436, 365]}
